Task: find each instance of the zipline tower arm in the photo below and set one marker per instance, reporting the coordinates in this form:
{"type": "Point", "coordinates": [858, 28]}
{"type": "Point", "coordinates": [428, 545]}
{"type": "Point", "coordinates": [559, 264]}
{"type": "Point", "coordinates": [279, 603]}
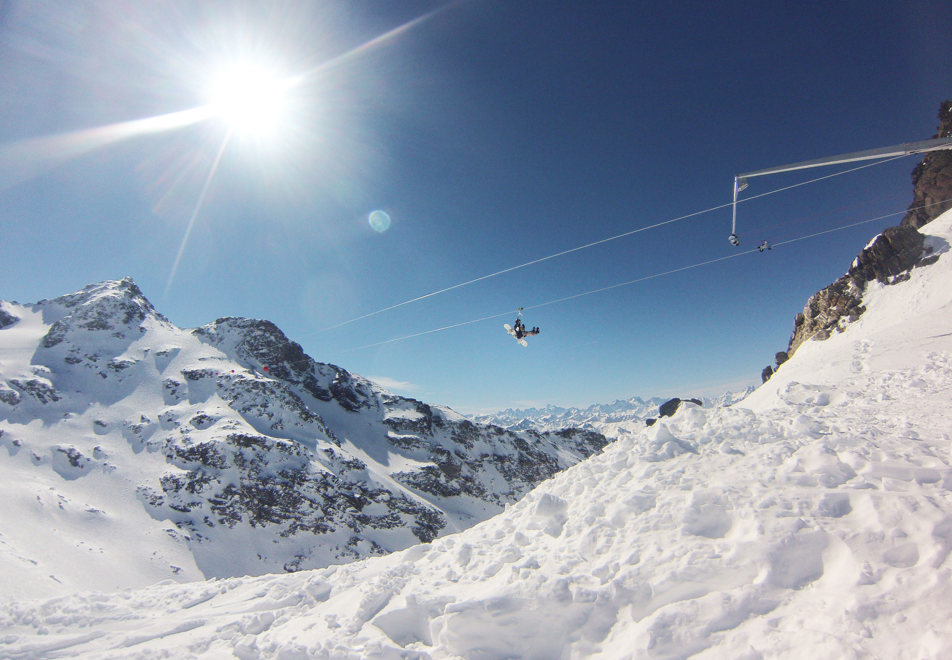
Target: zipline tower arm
{"type": "Point", "coordinates": [906, 149]}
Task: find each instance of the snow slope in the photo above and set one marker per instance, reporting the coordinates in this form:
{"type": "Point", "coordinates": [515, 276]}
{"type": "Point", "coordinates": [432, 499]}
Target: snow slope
{"type": "Point", "coordinates": [813, 519]}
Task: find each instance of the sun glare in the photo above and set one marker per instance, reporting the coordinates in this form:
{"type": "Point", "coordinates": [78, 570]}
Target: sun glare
{"type": "Point", "coordinates": [249, 98]}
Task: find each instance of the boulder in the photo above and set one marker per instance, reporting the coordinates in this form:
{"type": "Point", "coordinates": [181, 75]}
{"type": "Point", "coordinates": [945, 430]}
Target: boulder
{"type": "Point", "coordinates": [668, 408]}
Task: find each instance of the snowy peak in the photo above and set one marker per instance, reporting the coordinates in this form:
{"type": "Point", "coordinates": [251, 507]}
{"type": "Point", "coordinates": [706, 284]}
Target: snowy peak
{"type": "Point", "coordinates": [257, 343]}
{"type": "Point", "coordinates": [262, 346]}
{"type": "Point", "coordinates": [116, 306]}
{"type": "Point", "coordinates": [248, 454]}
{"type": "Point", "coordinates": [84, 342]}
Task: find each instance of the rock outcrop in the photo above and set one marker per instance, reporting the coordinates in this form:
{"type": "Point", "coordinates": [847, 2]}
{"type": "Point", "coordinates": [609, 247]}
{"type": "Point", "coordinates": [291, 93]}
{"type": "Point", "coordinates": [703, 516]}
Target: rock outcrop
{"type": "Point", "coordinates": [932, 178]}
{"type": "Point", "coordinates": [888, 258]}
{"type": "Point", "coordinates": [6, 319]}
{"type": "Point", "coordinates": [885, 259]}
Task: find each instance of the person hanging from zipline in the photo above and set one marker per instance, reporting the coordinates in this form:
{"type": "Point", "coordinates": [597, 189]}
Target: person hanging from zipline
{"type": "Point", "coordinates": [519, 329]}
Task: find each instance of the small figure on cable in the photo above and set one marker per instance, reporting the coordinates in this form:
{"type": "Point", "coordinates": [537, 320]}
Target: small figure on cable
{"type": "Point", "coordinates": [764, 246]}
{"type": "Point", "coordinates": [519, 330]}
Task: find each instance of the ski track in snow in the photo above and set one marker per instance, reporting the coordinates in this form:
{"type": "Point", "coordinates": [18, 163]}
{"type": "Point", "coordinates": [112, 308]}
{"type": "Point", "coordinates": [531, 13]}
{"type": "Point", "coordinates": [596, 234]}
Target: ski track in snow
{"type": "Point", "coordinates": [813, 519]}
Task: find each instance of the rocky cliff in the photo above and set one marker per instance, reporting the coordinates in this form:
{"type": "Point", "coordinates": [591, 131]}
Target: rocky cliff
{"type": "Point", "coordinates": [932, 178]}
{"type": "Point", "coordinates": [887, 258]}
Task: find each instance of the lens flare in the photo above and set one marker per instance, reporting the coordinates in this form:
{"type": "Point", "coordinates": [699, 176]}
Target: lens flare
{"type": "Point", "coordinates": [379, 221]}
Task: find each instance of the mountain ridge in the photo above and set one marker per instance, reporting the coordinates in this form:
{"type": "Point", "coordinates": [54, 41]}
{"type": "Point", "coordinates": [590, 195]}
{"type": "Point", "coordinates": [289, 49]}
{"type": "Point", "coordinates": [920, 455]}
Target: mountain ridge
{"type": "Point", "coordinates": [599, 416]}
{"type": "Point", "coordinates": [228, 436]}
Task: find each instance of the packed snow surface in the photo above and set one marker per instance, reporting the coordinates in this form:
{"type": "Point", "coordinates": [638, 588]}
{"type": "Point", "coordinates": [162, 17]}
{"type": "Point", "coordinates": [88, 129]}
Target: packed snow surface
{"type": "Point", "coordinates": [813, 519]}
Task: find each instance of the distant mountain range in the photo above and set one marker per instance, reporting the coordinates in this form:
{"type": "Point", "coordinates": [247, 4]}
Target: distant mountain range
{"type": "Point", "coordinates": [598, 417]}
{"type": "Point", "coordinates": [229, 437]}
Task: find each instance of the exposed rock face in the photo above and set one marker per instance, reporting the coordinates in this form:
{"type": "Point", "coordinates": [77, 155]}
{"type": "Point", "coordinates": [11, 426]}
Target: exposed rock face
{"type": "Point", "coordinates": [6, 319]}
{"type": "Point", "coordinates": [251, 448]}
{"type": "Point", "coordinates": [824, 311]}
{"type": "Point", "coordinates": [889, 257]}
{"type": "Point", "coordinates": [893, 252]}
{"type": "Point", "coordinates": [886, 259]}
{"type": "Point", "coordinates": [932, 178]}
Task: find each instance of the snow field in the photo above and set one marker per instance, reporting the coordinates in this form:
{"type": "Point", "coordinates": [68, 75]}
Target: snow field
{"type": "Point", "coordinates": [819, 526]}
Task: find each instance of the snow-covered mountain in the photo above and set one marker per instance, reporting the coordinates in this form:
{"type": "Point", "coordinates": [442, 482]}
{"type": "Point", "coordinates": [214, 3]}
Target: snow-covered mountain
{"type": "Point", "coordinates": [605, 418]}
{"type": "Point", "coordinates": [812, 519]}
{"type": "Point", "coordinates": [136, 451]}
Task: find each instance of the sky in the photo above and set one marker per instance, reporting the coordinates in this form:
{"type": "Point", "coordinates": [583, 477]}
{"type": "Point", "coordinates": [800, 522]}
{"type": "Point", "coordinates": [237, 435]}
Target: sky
{"type": "Point", "coordinates": [523, 154]}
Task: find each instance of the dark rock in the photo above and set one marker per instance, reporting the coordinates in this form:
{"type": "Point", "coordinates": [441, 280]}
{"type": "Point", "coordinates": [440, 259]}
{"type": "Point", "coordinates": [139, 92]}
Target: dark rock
{"type": "Point", "coordinates": [258, 341]}
{"type": "Point", "coordinates": [824, 309]}
{"type": "Point", "coordinates": [9, 397]}
{"type": "Point", "coordinates": [55, 335]}
{"type": "Point", "coordinates": [202, 421]}
{"type": "Point", "coordinates": [39, 390]}
{"type": "Point", "coordinates": [668, 408]}
{"type": "Point", "coordinates": [584, 441]}
{"type": "Point", "coordinates": [829, 310]}
{"type": "Point", "coordinates": [70, 463]}
{"type": "Point", "coordinates": [73, 456]}
{"type": "Point", "coordinates": [766, 373]}
{"type": "Point", "coordinates": [893, 252]}
{"type": "Point", "coordinates": [932, 178]}
{"type": "Point", "coordinates": [350, 395]}
{"type": "Point", "coordinates": [7, 319]}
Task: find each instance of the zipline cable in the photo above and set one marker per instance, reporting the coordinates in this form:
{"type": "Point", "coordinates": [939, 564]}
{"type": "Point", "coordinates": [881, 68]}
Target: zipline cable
{"type": "Point", "coordinates": [641, 279]}
{"type": "Point", "coordinates": [600, 242]}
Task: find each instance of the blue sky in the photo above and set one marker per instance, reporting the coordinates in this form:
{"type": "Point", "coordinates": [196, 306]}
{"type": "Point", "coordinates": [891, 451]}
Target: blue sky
{"type": "Point", "coordinates": [493, 134]}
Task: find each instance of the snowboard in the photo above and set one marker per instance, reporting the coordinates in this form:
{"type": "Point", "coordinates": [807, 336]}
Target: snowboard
{"type": "Point", "coordinates": [513, 333]}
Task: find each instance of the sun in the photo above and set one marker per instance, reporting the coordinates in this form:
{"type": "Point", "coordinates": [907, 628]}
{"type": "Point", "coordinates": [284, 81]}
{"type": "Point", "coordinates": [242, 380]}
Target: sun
{"type": "Point", "coordinates": [249, 98]}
